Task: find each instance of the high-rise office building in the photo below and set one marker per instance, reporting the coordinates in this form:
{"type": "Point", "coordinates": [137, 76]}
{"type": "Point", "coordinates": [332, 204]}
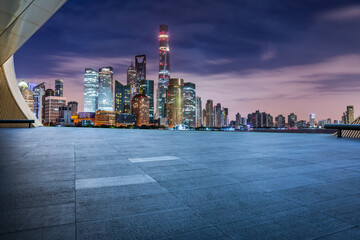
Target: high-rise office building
{"type": "Point", "coordinates": [292, 119]}
{"type": "Point", "coordinates": [91, 84]}
{"type": "Point", "coordinates": [198, 114]}
{"type": "Point", "coordinates": [27, 94]}
{"type": "Point", "coordinates": [39, 92]}
{"type": "Point", "coordinates": [74, 107]}
{"type": "Point", "coordinates": [218, 115]}
{"type": "Point", "coordinates": [51, 110]}
{"type": "Point", "coordinates": [209, 113]}
{"type": "Point", "coordinates": [65, 113]}
{"type": "Point", "coordinates": [175, 103]}
{"type": "Point", "coordinates": [59, 88]}
{"type": "Point", "coordinates": [312, 120]}
{"type": "Point", "coordinates": [204, 116]}
{"type": "Point", "coordinates": [225, 113]}
{"type": "Point", "coordinates": [140, 67]}
{"type": "Point", "coordinates": [350, 113]}
{"type": "Point", "coordinates": [147, 88]}
{"type": "Point", "coordinates": [189, 98]}
{"type": "Point", "coordinates": [140, 109]}
{"type": "Point", "coordinates": [127, 99]}
{"type": "Point", "coordinates": [280, 121]}
{"type": "Point", "coordinates": [119, 92]}
{"type": "Point", "coordinates": [164, 71]}
{"type": "Point", "coordinates": [105, 97]}
{"type": "Point", "coordinates": [238, 120]}
{"type": "Point", "coordinates": [31, 86]}
{"type": "Point", "coordinates": [131, 79]}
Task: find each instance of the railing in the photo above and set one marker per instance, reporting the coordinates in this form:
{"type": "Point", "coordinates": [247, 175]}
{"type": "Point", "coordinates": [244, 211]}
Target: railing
{"type": "Point", "coordinates": [341, 127]}
{"type": "Point", "coordinates": [29, 121]}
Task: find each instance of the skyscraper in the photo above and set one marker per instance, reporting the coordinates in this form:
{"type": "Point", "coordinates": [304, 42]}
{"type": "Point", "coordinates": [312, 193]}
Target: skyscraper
{"type": "Point", "coordinates": [209, 113]}
{"type": "Point", "coordinates": [51, 110]}
{"type": "Point", "coordinates": [131, 79]}
{"type": "Point", "coordinates": [175, 103]}
{"type": "Point", "coordinates": [238, 120]}
{"type": "Point", "coordinates": [27, 94]}
{"type": "Point", "coordinates": [350, 113]}
{"type": "Point", "coordinates": [140, 109]}
{"type": "Point", "coordinates": [91, 84]}
{"type": "Point", "coordinates": [147, 88]}
{"type": "Point", "coordinates": [140, 67]}
{"type": "Point", "coordinates": [105, 97]}
{"type": "Point", "coordinates": [225, 113]}
{"type": "Point", "coordinates": [127, 99]}
{"type": "Point", "coordinates": [198, 114]}
{"type": "Point", "coordinates": [312, 120]}
{"type": "Point", "coordinates": [119, 92]}
{"type": "Point", "coordinates": [280, 121]}
{"type": "Point", "coordinates": [292, 119]}
{"type": "Point", "coordinates": [189, 96]}
{"type": "Point", "coordinates": [39, 92]}
{"type": "Point", "coordinates": [164, 71]}
{"type": "Point", "coordinates": [218, 115]}
{"type": "Point", "coordinates": [59, 88]}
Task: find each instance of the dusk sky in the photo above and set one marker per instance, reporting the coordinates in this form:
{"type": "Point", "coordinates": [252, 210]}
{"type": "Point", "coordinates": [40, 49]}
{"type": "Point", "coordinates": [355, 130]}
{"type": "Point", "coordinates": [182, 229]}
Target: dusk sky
{"type": "Point", "coordinates": [279, 56]}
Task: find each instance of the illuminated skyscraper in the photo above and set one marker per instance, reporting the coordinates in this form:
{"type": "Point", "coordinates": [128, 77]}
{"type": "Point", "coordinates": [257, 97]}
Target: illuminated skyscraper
{"type": "Point", "coordinates": [350, 113]}
{"type": "Point", "coordinates": [292, 119]}
{"type": "Point", "coordinates": [127, 99]}
{"type": "Point", "coordinates": [218, 116]}
{"type": "Point", "coordinates": [238, 120]}
{"type": "Point", "coordinates": [105, 97]}
{"type": "Point", "coordinates": [91, 84]}
{"type": "Point", "coordinates": [119, 92]}
{"type": "Point", "coordinates": [164, 71]}
{"type": "Point", "coordinates": [140, 67]}
{"type": "Point", "coordinates": [140, 109]}
{"type": "Point", "coordinates": [59, 88]}
{"type": "Point", "coordinates": [175, 103]}
{"type": "Point", "coordinates": [280, 121]}
{"type": "Point", "coordinates": [312, 120]}
{"type": "Point", "coordinates": [39, 92]}
{"type": "Point", "coordinates": [209, 113]}
{"type": "Point", "coordinates": [225, 113]}
{"type": "Point", "coordinates": [198, 114]}
{"type": "Point", "coordinates": [147, 88]}
{"type": "Point", "coordinates": [27, 94]}
{"type": "Point", "coordinates": [189, 95]}
{"type": "Point", "coordinates": [131, 79]}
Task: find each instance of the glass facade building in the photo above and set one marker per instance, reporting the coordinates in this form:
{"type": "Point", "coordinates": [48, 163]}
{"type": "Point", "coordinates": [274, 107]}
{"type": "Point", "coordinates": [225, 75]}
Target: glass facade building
{"type": "Point", "coordinates": [198, 114]}
{"type": "Point", "coordinates": [122, 97]}
{"type": "Point", "coordinates": [131, 79]}
{"type": "Point", "coordinates": [164, 71]}
{"type": "Point", "coordinates": [189, 96]}
{"type": "Point", "coordinates": [105, 97]}
{"type": "Point", "coordinates": [175, 103]}
{"type": "Point", "coordinates": [147, 88]}
{"type": "Point", "coordinates": [140, 109]}
{"type": "Point", "coordinates": [140, 67]}
{"type": "Point", "coordinates": [91, 84]}
{"type": "Point", "coordinates": [39, 92]}
{"type": "Point", "coordinates": [209, 113]}
{"type": "Point", "coordinates": [59, 88]}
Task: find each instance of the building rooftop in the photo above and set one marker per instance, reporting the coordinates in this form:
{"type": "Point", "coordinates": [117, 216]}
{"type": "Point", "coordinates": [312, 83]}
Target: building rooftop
{"type": "Point", "coordinates": [84, 183]}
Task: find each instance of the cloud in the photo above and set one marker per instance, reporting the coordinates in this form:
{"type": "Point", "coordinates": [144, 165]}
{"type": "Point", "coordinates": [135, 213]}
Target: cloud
{"type": "Point", "coordinates": [267, 55]}
{"type": "Point", "coordinates": [348, 13]}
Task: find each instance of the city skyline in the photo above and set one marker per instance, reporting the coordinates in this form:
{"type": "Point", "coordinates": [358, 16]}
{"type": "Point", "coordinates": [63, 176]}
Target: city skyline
{"type": "Point", "coordinates": [267, 80]}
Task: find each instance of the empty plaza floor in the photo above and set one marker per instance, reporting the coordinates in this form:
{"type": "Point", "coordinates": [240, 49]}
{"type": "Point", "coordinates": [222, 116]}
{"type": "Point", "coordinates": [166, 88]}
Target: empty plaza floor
{"type": "Point", "coordinates": [84, 183]}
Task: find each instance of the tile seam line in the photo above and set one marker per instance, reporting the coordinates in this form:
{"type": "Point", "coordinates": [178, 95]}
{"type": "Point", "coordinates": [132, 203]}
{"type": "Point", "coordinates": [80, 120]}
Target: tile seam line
{"type": "Point", "coordinates": [133, 215]}
{"type": "Point", "coordinates": [36, 228]}
{"type": "Point", "coordinates": [326, 235]}
{"type": "Point", "coordinates": [75, 202]}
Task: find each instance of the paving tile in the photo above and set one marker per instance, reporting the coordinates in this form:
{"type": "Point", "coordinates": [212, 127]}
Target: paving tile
{"type": "Point", "coordinates": [113, 181]}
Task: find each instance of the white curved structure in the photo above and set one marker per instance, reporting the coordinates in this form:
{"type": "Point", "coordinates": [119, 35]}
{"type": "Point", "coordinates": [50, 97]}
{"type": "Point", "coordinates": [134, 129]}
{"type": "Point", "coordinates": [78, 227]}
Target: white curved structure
{"type": "Point", "coordinates": [19, 20]}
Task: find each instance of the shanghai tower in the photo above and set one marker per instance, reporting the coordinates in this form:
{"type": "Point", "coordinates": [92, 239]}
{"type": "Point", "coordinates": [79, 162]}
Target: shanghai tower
{"type": "Point", "coordinates": [164, 71]}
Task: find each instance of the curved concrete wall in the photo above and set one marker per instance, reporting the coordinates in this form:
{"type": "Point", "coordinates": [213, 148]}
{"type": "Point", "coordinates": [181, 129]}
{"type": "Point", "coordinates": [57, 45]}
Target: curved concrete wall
{"type": "Point", "coordinates": [20, 19]}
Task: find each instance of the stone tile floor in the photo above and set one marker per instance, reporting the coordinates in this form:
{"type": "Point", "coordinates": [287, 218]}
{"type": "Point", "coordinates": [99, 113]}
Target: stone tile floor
{"type": "Point", "coordinates": [80, 183]}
